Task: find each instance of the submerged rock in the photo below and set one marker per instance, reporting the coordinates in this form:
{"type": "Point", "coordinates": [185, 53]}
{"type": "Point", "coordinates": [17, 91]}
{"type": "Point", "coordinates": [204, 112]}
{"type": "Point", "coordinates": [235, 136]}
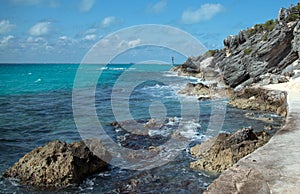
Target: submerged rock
{"type": "Point", "coordinates": [59, 165]}
{"type": "Point", "coordinates": [221, 152]}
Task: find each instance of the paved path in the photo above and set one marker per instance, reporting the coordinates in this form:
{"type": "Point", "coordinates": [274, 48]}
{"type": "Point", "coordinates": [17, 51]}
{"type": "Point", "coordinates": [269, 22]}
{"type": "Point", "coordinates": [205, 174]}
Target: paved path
{"type": "Point", "coordinates": [273, 168]}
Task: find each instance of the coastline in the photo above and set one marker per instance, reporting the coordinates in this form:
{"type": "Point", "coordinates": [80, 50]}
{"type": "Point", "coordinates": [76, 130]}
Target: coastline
{"type": "Point", "coordinates": [274, 167]}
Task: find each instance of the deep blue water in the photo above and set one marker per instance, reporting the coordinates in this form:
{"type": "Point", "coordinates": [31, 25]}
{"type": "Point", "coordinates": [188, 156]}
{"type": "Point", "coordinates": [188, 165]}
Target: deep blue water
{"type": "Point", "coordinates": [36, 107]}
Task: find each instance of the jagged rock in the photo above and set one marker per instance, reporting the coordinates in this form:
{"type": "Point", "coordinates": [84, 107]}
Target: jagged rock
{"type": "Point", "coordinates": [197, 89]}
{"type": "Point", "coordinates": [265, 48]}
{"type": "Point", "coordinates": [265, 100]}
{"type": "Point", "coordinates": [221, 152]}
{"type": "Point", "coordinates": [191, 65]}
{"type": "Point", "coordinates": [283, 15]}
{"type": "Point", "coordinates": [59, 165]}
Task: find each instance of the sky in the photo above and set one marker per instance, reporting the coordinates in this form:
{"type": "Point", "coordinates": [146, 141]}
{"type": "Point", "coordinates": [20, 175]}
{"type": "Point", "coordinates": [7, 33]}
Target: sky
{"type": "Point", "coordinates": [63, 31]}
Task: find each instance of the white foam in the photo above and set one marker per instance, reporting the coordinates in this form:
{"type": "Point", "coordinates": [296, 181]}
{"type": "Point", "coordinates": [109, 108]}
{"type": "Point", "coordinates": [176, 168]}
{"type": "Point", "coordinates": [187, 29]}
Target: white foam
{"type": "Point", "coordinates": [164, 131]}
{"type": "Point", "coordinates": [190, 130]}
{"type": "Point", "coordinates": [38, 80]}
{"type": "Point", "coordinates": [116, 68]}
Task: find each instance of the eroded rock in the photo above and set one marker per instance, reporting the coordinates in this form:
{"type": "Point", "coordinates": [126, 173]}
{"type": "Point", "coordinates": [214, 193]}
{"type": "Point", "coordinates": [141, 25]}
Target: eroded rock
{"type": "Point", "coordinates": [261, 99]}
{"type": "Point", "coordinates": [59, 165]}
{"type": "Point", "coordinates": [221, 152]}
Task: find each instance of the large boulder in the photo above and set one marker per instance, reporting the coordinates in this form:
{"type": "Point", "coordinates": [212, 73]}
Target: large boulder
{"type": "Point", "coordinates": [59, 165]}
{"type": "Point", "coordinates": [221, 152]}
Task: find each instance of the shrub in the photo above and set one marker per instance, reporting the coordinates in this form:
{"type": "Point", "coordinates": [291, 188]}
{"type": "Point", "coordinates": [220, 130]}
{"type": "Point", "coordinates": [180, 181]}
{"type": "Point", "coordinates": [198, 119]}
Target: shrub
{"type": "Point", "coordinates": [211, 52]}
{"type": "Point", "coordinates": [258, 28]}
{"type": "Point", "coordinates": [292, 17]}
{"type": "Point", "coordinates": [247, 51]}
{"type": "Point", "coordinates": [265, 36]}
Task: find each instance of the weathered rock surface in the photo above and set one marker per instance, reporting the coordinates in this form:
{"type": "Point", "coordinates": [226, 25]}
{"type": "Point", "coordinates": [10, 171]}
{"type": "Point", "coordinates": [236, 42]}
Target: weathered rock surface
{"type": "Point", "coordinates": [261, 99]}
{"type": "Point", "coordinates": [221, 152]}
{"type": "Point", "coordinates": [196, 89]}
{"type": "Point", "coordinates": [273, 168]}
{"type": "Point", "coordinates": [58, 164]}
{"type": "Point", "coordinates": [270, 49]}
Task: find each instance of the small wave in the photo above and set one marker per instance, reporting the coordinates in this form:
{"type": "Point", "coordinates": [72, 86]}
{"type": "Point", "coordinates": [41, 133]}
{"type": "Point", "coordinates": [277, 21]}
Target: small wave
{"type": "Point", "coordinates": [156, 86]}
{"type": "Point", "coordinates": [38, 80]}
{"type": "Point", "coordinates": [116, 68]}
{"type": "Point", "coordinates": [29, 73]}
{"type": "Point", "coordinates": [88, 184]}
{"type": "Point", "coordinates": [165, 132]}
{"type": "Point", "coordinates": [190, 130]}
{"type": "Point", "coordinates": [170, 74]}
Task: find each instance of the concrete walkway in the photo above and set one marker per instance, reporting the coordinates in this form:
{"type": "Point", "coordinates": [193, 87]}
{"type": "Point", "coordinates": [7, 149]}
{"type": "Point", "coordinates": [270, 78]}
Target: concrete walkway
{"type": "Point", "coordinates": [273, 168]}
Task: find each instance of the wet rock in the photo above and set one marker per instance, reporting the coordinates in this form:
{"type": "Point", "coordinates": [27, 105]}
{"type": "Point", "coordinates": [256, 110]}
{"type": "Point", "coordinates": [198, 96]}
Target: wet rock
{"type": "Point", "coordinates": [221, 152]}
{"type": "Point", "coordinates": [265, 100]}
{"type": "Point", "coordinates": [59, 165]}
{"type": "Point", "coordinates": [204, 97]}
{"type": "Point", "coordinates": [196, 89]}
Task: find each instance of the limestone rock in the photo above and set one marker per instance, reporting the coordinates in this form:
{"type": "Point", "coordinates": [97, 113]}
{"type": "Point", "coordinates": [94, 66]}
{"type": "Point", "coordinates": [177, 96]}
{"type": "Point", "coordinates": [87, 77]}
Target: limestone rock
{"type": "Point", "coordinates": [264, 48]}
{"type": "Point", "coordinates": [58, 164]}
{"type": "Point", "coordinates": [265, 100]}
{"type": "Point", "coordinates": [197, 89]}
{"type": "Point", "coordinates": [221, 152]}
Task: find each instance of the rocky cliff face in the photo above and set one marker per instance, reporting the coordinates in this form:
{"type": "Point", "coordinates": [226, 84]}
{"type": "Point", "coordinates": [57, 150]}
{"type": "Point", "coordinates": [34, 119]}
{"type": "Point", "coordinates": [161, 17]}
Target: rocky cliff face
{"type": "Point", "coordinates": [266, 53]}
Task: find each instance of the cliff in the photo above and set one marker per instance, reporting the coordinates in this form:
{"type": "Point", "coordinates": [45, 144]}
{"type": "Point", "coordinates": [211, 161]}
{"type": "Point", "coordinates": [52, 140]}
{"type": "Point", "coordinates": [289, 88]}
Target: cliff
{"type": "Point", "coordinates": [263, 54]}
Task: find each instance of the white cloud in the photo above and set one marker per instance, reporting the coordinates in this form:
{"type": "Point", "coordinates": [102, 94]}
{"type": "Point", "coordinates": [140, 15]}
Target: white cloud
{"type": "Point", "coordinates": [130, 44]}
{"type": "Point", "coordinates": [40, 29]}
{"type": "Point", "coordinates": [4, 40]}
{"type": "Point", "coordinates": [31, 39]}
{"type": "Point", "coordinates": [5, 26]}
{"type": "Point", "coordinates": [205, 12]}
{"type": "Point", "coordinates": [158, 6]}
{"type": "Point", "coordinates": [90, 37]}
{"type": "Point", "coordinates": [86, 5]}
{"type": "Point", "coordinates": [63, 38]}
{"type": "Point", "coordinates": [90, 31]}
{"type": "Point", "coordinates": [108, 21]}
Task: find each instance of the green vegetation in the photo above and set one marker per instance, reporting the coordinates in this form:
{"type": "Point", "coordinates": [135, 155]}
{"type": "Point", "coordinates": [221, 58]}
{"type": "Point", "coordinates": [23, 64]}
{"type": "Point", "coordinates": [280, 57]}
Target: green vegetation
{"type": "Point", "coordinates": [247, 51]}
{"type": "Point", "coordinates": [265, 36]}
{"type": "Point", "coordinates": [292, 17]}
{"type": "Point", "coordinates": [295, 13]}
{"type": "Point", "coordinates": [258, 28]}
{"type": "Point", "coordinates": [211, 52]}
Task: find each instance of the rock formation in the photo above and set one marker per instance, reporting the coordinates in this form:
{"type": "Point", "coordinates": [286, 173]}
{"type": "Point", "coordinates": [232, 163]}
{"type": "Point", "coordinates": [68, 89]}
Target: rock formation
{"type": "Point", "coordinates": [264, 54]}
{"type": "Point", "coordinates": [58, 164]}
{"type": "Point", "coordinates": [260, 99]}
{"type": "Point", "coordinates": [224, 150]}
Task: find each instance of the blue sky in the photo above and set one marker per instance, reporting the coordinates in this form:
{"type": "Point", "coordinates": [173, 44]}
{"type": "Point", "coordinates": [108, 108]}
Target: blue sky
{"type": "Point", "coordinates": [64, 30]}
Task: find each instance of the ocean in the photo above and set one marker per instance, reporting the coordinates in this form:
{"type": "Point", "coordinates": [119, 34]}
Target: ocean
{"type": "Point", "coordinates": [37, 103]}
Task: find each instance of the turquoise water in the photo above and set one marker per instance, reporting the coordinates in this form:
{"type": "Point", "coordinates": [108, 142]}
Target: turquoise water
{"type": "Point", "coordinates": [34, 78]}
{"type": "Point", "coordinates": [36, 107]}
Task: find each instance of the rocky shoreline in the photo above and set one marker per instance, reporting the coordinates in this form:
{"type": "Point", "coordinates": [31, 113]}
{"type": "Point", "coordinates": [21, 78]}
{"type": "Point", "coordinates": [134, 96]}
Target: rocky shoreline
{"type": "Point", "coordinates": [264, 54]}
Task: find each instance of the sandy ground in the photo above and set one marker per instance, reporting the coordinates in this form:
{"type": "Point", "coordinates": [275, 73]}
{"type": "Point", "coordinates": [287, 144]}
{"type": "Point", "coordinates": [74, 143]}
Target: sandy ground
{"type": "Point", "coordinates": [275, 167]}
